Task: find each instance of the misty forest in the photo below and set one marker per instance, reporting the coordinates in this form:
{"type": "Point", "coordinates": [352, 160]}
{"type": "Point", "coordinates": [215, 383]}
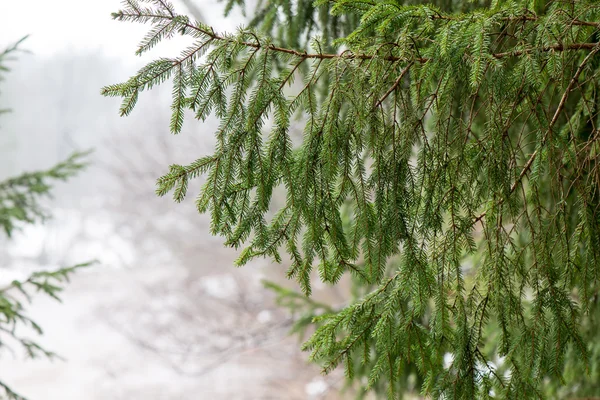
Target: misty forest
{"type": "Point", "coordinates": [299, 199]}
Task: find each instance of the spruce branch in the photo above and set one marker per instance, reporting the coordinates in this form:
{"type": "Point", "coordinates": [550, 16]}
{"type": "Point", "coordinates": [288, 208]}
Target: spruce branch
{"type": "Point", "coordinates": [415, 119]}
{"type": "Point", "coordinates": [209, 32]}
{"type": "Point", "coordinates": [553, 122]}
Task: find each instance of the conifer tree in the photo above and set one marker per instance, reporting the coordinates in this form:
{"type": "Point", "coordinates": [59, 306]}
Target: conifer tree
{"type": "Point", "coordinates": [449, 164]}
{"type": "Point", "coordinates": [21, 203]}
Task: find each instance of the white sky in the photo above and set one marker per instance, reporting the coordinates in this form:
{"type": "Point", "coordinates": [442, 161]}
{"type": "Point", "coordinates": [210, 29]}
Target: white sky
{"type": "Point", "coordinates": [77, 48]}
{"type": "Point", "coordinates": [85, 25]}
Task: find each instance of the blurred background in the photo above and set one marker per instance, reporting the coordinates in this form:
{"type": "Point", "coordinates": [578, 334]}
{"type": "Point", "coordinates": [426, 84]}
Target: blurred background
{"type": "Point", "coordinates": [164, 315]}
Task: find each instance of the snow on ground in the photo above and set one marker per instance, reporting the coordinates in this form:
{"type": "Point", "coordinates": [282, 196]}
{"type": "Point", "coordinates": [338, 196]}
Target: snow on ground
{"type": "Point", "coordinates": [136, 327]}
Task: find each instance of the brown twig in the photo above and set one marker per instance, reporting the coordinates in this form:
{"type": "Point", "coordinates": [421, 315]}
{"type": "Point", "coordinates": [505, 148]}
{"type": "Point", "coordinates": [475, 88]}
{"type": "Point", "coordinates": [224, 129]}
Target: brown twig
{"type": "Point", "coordinates": [559, 109]}
{"type": "Point", "coordinates": [347, 54]}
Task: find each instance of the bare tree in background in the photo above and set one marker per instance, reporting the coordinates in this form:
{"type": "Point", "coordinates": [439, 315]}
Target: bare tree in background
{"type": "Point", "coordinates": [186, 321]}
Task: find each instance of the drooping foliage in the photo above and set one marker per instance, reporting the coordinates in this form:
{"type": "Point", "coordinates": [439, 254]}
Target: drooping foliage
{"type": "Point", "coordinates": [20, 204]}
{"type": "Point", "coordinates": [449, 163]}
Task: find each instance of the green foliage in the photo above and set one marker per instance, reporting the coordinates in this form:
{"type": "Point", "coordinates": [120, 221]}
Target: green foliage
{"type": "Point", "coordinates": [5, 56]}
{"type": "Point", "coordinates": [20, 196]}
{"type": "Point", "coordinates": [449, 163]}
{"type": "Point", "coordinates": [13, 317]}
{"type": "Point", "coordinates": [20, 203]}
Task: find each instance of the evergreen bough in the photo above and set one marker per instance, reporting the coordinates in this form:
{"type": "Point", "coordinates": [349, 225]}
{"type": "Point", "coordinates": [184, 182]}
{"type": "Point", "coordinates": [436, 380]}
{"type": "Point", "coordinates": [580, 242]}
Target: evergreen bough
{"type": "Point", "coordinates": [20, 204]}
{"type": "Point", "coordinates": [449, 163]}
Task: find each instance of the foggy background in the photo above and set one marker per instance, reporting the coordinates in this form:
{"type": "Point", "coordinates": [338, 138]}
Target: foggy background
{"type": "Point", "coordinates": [164, 314]}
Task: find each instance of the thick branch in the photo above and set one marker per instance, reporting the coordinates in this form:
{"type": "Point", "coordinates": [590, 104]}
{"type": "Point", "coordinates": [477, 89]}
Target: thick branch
{"type": "Point", "coordinates": [557, 47]}
{"type": "Point", "coordinates": [346, 54]}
